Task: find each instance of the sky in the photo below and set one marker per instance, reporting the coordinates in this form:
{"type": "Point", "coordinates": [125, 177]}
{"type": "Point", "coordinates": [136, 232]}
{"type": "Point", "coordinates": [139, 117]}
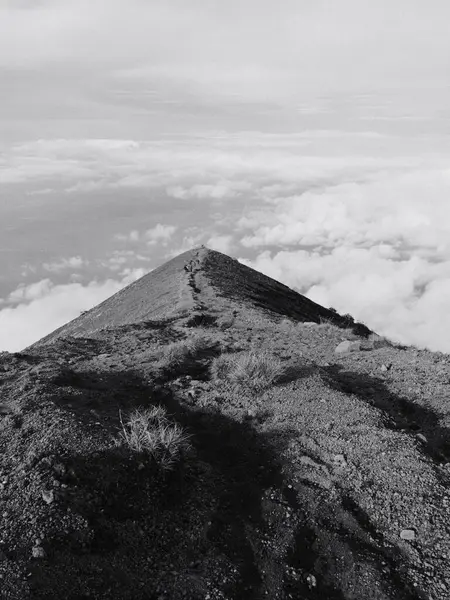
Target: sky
{"type": "Point", "coordinates": [308, 138]}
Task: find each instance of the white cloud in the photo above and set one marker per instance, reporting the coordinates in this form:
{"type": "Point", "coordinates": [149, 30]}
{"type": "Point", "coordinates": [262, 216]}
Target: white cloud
{"type": "Point", "coordinates": [369, 208]}
{"type": "Point", "coordinates": [216, 191]}
{"type": "Point", "coordinates": [222, 243]}
{"type": "Point", "coordinates": [44, 306]}
{"type": "Point", "coordinates": [253, 49]}
{"type": "Point", "coordinates": [73, 262]}
{"type": "Point", "coordinates": [403, 299]}
{"type": "Point", "coordinates": [132, 236]}
{"type": "Point", "coordinates": [395, 207]}
{"type": "Point", "coordinates": [160, 234]}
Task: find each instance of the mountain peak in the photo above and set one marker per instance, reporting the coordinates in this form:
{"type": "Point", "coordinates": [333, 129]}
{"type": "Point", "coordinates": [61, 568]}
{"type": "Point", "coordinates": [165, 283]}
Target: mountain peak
{"type": "Point", "coordinates": [200, 279]}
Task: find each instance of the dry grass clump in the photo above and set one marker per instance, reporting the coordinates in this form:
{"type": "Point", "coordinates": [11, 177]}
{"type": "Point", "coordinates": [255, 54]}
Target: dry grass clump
{"type": "Point", "coordinates": [149, 431]}
{"type": "Point", "coordinates": [175, 354]}
{"type": "Point", "coordinates": [254, 370]}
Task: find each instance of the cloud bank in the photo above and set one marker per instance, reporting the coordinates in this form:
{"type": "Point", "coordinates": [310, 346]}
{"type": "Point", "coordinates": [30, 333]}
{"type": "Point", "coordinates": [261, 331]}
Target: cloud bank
{"type": "Point", "coordinates": [364, 233]}
{"type": "Point", "coordinates": [39, 308]}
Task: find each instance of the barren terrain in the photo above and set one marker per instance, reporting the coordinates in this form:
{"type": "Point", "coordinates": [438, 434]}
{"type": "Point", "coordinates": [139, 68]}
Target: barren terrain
{"type": "Point", "coordinates": [309, 473]}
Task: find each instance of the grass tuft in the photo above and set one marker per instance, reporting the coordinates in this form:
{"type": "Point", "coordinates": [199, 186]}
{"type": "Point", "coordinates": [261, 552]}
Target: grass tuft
{"type": "Point", "coordinates": [150, 432]}
{"type": "Point", "coordinates": [175, 354]}
{"type": "Point", "coordinates": [253, 370]}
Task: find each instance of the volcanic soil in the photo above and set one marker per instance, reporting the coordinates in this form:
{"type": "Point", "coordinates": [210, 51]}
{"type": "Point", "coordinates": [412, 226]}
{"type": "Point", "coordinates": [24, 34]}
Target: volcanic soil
{"type": "Point", "coordinates": [308, 473]}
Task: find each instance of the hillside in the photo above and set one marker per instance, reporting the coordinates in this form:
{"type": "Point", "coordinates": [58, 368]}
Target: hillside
{"type": "Point", "coordinates": [282, 468]}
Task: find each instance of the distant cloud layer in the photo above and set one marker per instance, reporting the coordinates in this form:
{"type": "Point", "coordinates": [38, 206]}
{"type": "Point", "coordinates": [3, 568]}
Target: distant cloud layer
{"type": "Point", "coordinates": [41, 307]}
{"type": "Point", "coordinates": [365, 234]}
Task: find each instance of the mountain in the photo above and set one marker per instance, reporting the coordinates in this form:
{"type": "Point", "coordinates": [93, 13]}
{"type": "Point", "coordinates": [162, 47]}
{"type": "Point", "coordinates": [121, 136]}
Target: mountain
{"type": "Point", "coordinates": [188, 282]}
{"type": "Point", "coordinates": [207, 432]}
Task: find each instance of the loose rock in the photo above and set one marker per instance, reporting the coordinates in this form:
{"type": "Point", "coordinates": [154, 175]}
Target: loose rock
{"type": "Point", "coordinates": [347, 346]}
{"type": "Point", "coordinates": [408, 534]}
{"type": "Point", "coordinates": [38, 552]}
{"type": "Point", "coordinates": [48, 496]}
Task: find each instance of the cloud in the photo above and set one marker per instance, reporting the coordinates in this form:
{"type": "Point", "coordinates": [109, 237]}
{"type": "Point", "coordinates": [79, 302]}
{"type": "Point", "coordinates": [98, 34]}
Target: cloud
{"type": "Point", "coordinates": [216, 191]}
{"type": "Point", "coordinates": [228, 50]}
{"type": "Point", "coordinates": [222, 243]}
{"type": "Point", "coordinates": [73, 262]}
{"type": "Point", "coordinates": [43, 307]}
{"type": "Point", "coordinates": [160, 234]}
{"type": "Point", "coordinates": [405, 208]}
{"type": "Point", "coordinates": [330, 200]}
{"type": "Point", "coordinates": [404, 299]}
{"type": "Point", "coordinates": [132, 236]}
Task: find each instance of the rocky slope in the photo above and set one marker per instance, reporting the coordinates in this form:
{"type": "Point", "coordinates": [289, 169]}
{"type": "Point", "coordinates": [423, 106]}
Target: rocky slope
{"type": "Point", "coordinates": [310, 473]}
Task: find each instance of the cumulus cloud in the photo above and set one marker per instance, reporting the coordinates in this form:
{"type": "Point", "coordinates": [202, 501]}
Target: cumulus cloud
{"type": "Point", "coordinates": [222, 243]}
{"type": "Point", "coordinates": [397, 207]}
{"type": "Point", "coordinates": [160, 234]}
{"type": "Point", "coordinates": [42, 307]}
{"type": "Point", "coordinates": [73, 262]}
{"type": "Point", "coordinates": [402, 298]}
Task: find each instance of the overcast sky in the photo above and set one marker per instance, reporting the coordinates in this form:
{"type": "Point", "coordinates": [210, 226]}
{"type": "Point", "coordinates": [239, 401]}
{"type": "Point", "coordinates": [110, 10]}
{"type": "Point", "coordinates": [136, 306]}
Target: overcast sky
{"type": "Point", "coordinates": [309, 138]}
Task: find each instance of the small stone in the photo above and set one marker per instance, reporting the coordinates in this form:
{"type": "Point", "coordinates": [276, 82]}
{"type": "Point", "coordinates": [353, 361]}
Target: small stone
{"type": "Point", "coordinates": [48, 496]}
{"type": "Point", "coordinates": [310, 323]}
{"type": "Point", "coordinates": [347, 346]}
{"type": "Point", "coordinates": [422, 438]}
{"type": "Point", "coordinates": [340, 460]}
{"type": "Point", "coordinates": [59, 469]}
{"type": "Point", "coordinates": [38, 552]}
{"type": "Point", "coordinates": [408, 534]}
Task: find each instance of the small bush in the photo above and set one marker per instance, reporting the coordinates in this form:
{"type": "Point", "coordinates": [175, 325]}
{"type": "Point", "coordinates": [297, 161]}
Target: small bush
{"type": "Point", "coordinates": [256, 371]}
{"type": "Point", "coordinates": [150, 432]}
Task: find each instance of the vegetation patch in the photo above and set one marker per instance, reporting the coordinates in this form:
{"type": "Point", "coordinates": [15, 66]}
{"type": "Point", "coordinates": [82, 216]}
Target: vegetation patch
{"type": "Point", "coordinates": [151, 432]}
{"type": "Point", "coordinates": [251, 370]}
{"type": "Point", "coordinates": [176, 353]}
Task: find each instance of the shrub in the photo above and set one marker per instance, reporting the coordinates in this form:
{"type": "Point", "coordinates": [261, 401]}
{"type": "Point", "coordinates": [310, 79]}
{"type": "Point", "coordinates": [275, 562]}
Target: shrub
{"type": "Point", "coordinates": [150, 432]}
{"type": "Point", "coordinates": [256, 371]}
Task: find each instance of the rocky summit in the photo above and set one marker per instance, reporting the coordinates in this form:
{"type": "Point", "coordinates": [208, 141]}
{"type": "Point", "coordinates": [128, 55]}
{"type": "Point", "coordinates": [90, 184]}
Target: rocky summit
{"type": "Point", "coordinates": [209, 433]}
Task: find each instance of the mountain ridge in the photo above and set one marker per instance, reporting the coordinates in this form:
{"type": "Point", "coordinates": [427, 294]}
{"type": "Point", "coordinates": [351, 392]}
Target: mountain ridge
{"type": "Point", "coordinates": [173, 287]}
{"type": "Point", "coordinates": [208, 442]}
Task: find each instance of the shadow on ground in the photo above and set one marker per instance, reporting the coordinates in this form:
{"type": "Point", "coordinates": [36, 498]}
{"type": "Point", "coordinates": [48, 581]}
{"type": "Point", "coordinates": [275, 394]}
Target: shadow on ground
{"type": "Point", "coordinates": [402, 413]}
{"type": "Point", "coordinates": [212, 519]}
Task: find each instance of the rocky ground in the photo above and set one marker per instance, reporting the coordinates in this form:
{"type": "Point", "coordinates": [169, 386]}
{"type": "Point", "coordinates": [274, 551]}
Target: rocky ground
{"type": "Point", "coordinates": [330, 480]}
